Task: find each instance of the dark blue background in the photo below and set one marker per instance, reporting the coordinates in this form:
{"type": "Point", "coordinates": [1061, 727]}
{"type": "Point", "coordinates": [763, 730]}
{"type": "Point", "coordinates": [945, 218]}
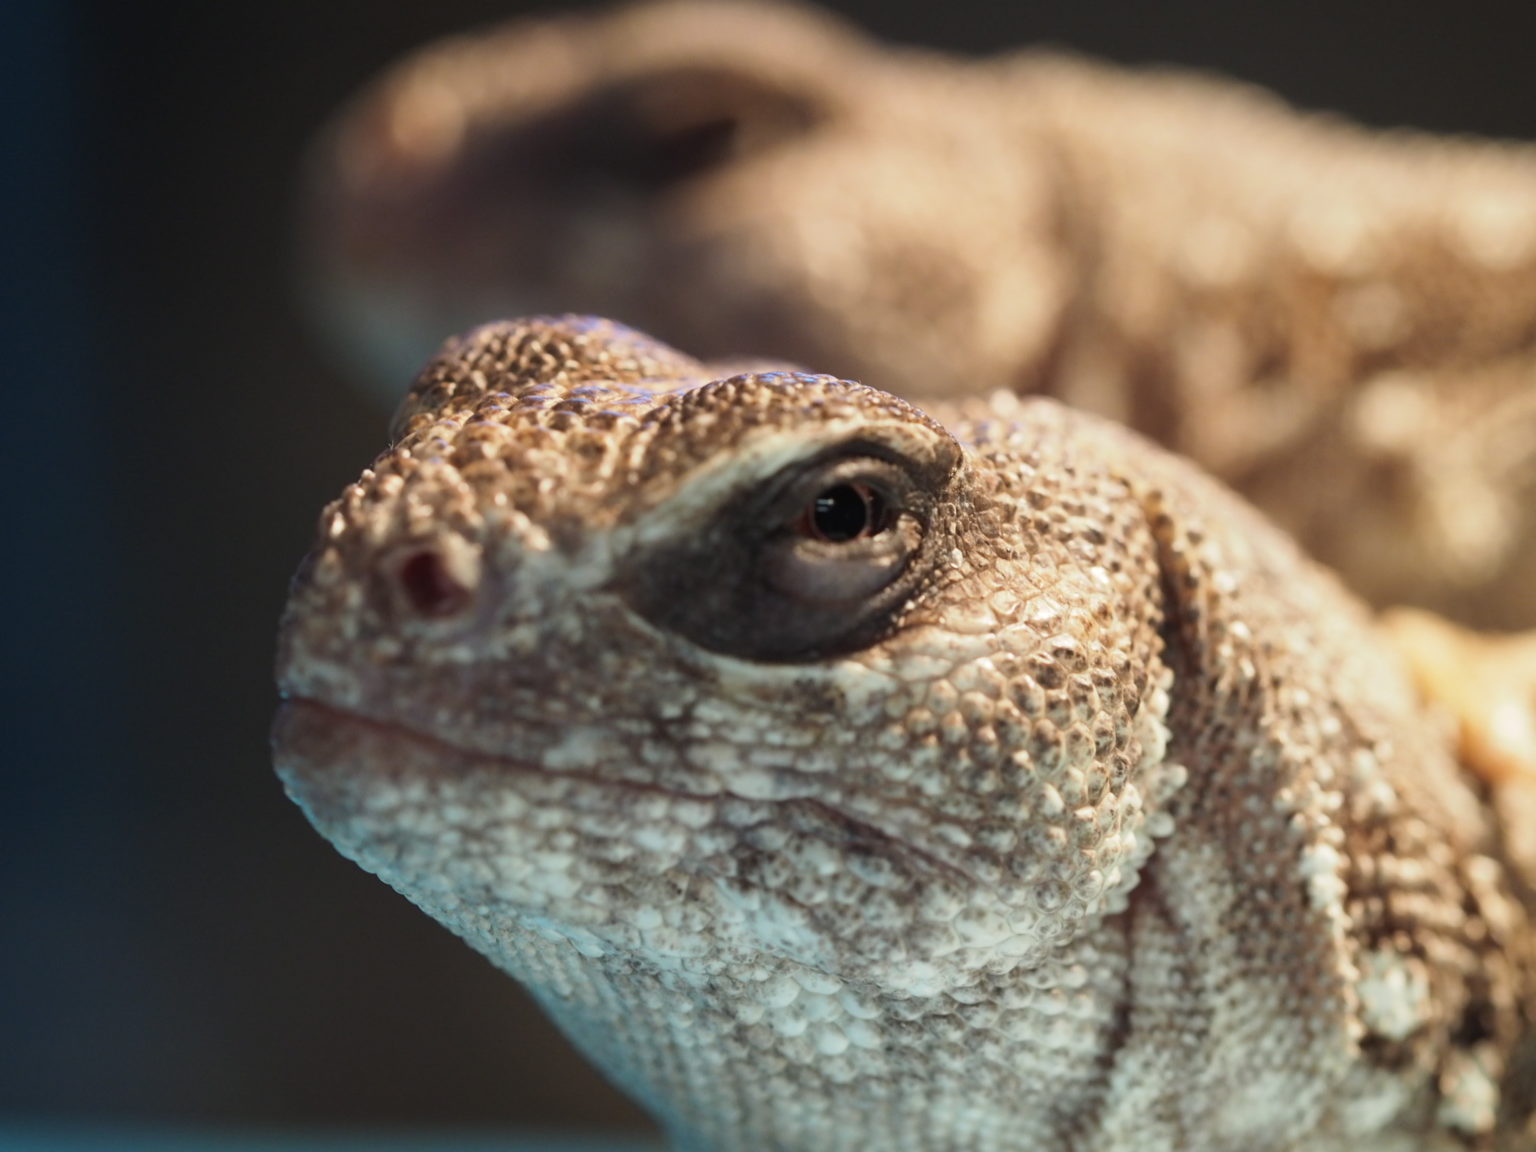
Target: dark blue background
{"type": "Point", "coordinates": [174, 942]}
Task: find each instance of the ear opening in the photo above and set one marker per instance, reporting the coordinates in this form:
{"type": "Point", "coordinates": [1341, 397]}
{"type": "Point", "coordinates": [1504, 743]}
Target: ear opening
{"type": "Point", "coordinates": [1220, 626]}
{"type": "Point", "coordinates": [1178, 588]}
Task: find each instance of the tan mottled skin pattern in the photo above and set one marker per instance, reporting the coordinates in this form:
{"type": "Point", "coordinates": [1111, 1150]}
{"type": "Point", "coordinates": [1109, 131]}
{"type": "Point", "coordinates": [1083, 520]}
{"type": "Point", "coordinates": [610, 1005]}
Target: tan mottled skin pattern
{"type": "Point", "coordinates": [1068, 807]}
{"type": "Point", "coordinates": [1339, 323]}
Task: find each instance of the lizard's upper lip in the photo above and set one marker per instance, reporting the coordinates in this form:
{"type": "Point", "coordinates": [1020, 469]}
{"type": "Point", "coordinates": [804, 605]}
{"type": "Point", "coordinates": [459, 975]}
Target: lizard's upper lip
{"type": "Point", "coordinates": [312, 728]}
{"type": "Point", "coordinates": [312, 739]}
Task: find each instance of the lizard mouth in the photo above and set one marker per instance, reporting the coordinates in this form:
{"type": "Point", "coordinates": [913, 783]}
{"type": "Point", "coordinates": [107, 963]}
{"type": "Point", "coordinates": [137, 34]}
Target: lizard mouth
{"type": "Point", "coordinates": [319, 747]}
{"type": "Point", "coordinates": [334, 761]}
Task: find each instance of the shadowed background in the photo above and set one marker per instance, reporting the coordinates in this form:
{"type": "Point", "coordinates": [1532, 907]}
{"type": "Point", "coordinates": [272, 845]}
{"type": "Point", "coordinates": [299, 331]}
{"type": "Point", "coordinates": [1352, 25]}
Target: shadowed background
{"type": "Point", "coordinates": [175, 943]}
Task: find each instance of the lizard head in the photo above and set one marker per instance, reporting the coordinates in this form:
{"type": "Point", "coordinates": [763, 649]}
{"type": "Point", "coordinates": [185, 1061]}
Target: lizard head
{"type": "Point", "coordinates": [711, 674]}
{"type": "Point", "coordinates": [785, 177]}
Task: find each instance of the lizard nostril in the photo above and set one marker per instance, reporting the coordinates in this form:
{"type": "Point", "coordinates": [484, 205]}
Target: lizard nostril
{"type": "Point", "coordinates": [429, 586]}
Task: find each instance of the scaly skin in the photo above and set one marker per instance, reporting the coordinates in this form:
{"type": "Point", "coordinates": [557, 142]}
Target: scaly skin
{"type": "Point", "coordinates": [1062, 805]}
{"type": "Point", "coordinates": [1339, 323]}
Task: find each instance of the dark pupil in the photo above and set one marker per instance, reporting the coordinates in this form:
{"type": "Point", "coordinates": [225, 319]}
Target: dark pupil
{"type": "Point", "coordinates": [843, 513]}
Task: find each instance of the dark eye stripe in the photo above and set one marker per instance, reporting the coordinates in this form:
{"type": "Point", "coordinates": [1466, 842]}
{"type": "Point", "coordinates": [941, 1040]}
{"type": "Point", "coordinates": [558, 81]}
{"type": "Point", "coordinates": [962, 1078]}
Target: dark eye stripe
{"type": "Point", "coordinates": [809, 563]}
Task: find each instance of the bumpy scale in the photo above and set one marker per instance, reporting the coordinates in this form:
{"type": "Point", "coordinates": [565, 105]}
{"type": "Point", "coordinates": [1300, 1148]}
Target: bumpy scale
{"type": "Point", "coordinates": [842, 775]}
{"type": "Point", "coordinates": [1337, 322]}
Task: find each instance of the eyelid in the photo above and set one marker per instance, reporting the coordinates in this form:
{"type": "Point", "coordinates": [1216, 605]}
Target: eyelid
{"type": "Point", "coordinates": [846, 575]}
{"type": "Point", "coordinates": [888, 480]}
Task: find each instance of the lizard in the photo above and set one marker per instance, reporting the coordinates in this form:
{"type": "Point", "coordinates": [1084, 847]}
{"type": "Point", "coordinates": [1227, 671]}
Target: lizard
{"type": "Point", "coordinates": [841, 773]}
{"type": "Point", "coordinates": [1338, 322]}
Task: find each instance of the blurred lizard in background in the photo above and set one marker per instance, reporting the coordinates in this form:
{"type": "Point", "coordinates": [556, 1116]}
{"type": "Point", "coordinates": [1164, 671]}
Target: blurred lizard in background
{"type": "Point", "coordinates": [1340, 323]}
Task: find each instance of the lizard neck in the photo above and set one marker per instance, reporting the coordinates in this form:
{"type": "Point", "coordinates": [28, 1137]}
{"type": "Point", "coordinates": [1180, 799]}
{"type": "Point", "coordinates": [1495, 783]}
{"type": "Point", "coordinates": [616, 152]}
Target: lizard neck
{"type": "Point", "coordinates": [761, 1053]}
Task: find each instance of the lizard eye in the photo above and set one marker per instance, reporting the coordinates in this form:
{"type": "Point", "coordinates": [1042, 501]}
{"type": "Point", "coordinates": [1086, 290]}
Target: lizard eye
{"type": "Point", "coordinates": [677, 152]}
{"type": "Point", "coordinates": [851, 530]}
{"type": "Point", "coordinates": [844, 512]}
{"type": "Point", "coordinates": [655, 132]}
{"type": "Point", "coordinates": [809, 563]}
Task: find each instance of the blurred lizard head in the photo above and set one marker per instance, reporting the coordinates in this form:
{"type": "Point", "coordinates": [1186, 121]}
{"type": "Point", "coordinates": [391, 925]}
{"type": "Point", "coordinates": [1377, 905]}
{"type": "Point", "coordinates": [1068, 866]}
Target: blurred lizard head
{"type": "Point", "coordinates": [737, 178]}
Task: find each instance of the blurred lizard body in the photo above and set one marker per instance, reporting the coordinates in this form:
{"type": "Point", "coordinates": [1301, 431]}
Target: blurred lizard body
{"type": "Point", "coordinates": [1339, 323]}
